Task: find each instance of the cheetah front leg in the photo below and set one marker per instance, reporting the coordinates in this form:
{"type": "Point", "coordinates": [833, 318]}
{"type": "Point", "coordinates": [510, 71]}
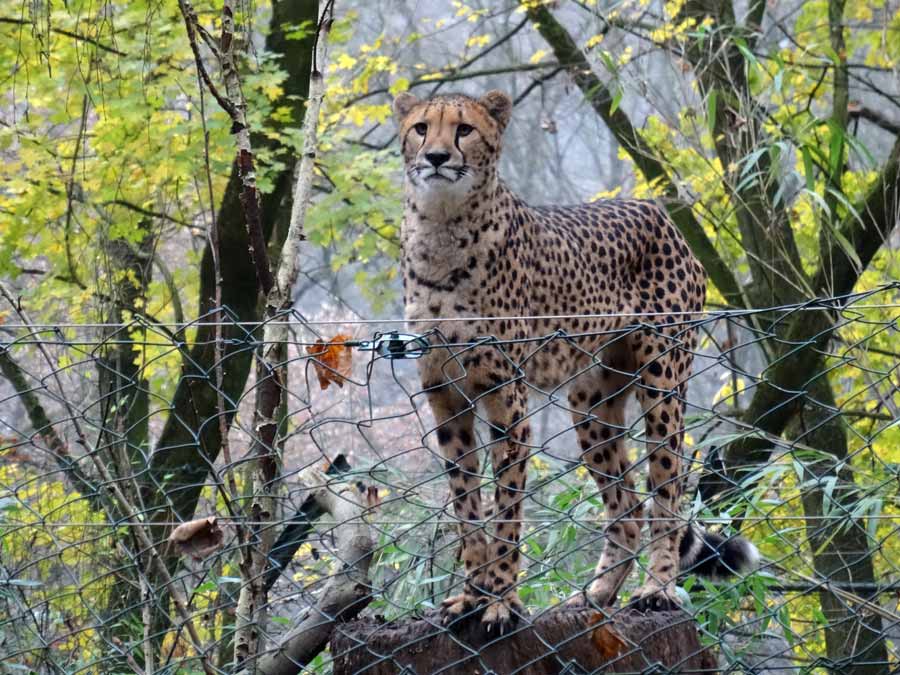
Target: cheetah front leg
{"type": "Point", "coordinates": [510, 434]}
{"type": "Point", "coordinates": [455, 419]}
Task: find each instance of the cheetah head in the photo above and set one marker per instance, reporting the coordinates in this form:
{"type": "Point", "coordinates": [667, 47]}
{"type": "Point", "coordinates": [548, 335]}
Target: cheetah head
{"type": "Point", "coordinates": [451, 145]}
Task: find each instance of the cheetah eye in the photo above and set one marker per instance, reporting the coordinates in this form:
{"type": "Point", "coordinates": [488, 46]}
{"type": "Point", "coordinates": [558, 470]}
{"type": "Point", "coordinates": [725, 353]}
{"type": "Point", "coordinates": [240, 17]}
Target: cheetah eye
{"type": "Point", "coordinates": [421, 128]}
{"type": "Point", "coordinates": [464, 129]}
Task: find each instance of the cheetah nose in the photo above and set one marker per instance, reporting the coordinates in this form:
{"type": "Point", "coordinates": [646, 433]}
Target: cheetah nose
{"type": "Point", "coordinates": [437, 158]}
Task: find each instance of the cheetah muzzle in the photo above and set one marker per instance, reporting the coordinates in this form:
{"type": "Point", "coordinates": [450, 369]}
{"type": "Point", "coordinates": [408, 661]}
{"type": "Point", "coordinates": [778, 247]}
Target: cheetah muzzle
{"type": "Point", "coordinates": [474, 250]}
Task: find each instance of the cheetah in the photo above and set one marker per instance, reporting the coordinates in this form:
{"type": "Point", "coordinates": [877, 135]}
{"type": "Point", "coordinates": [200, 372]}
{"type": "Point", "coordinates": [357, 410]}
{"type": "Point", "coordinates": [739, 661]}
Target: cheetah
{"type": "Point", "coordinates": [509, 277]}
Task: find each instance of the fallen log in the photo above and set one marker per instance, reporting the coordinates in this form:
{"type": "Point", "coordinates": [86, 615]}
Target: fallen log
{"type": "Point", "coordinates": [555, 642]}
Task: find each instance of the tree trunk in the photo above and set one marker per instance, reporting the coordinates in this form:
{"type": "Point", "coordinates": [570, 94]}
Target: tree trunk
{"type": "Point", "coordinates": [558, 641]}
{"type": "Point", "coordinates": [124, 397]}
{"type": "Point", "coordinates": [190, 441]}
{"type": "Point", "coordinates": [124, 393]}
{"type": "Point", "coordinates": [854, 639]}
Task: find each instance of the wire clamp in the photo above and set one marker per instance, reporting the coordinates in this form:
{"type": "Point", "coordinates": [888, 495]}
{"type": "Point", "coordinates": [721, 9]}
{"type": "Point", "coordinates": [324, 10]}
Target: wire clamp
{"type": "Point", "coordinates": [396, 345]}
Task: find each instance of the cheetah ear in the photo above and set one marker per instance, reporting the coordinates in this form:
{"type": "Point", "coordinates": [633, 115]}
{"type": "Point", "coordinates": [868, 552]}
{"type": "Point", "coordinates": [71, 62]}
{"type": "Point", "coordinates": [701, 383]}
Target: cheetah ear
{"type": "Point", "coordinates": [403, 103]}
{"type": "Point", "coordinates": [499, 105]}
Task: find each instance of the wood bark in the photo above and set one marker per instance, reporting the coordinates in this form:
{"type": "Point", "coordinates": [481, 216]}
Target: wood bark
{"type": "Point", "coordinates": [298, 528]}
{"type": "Point", "coordinates": [558, 641]}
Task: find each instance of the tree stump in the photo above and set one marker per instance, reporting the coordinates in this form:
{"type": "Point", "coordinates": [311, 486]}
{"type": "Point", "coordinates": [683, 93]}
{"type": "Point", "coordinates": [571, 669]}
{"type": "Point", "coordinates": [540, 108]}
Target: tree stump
{"type": "Point", "coordinates": [557, 641]}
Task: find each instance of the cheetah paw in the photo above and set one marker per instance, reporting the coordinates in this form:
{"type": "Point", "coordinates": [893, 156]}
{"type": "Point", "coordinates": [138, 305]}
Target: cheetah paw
{"type": "Point", "coordinates": [655, 598]}
{"type": "Point", "coordinates": [597, 596]}
{"type": "Point", "coordinates": [460, 606]}
{"type": "Point", "coordinates": [503, 614]}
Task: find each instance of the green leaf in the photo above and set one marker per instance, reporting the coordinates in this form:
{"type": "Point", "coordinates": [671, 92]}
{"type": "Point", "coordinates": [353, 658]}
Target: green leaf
{"type": "Point", "coordinates": [608, 61]}
{"type": "Point", "coordinates": [206, 587]}
{"type": "Point", "coordinates": [24, 583]}
{"type": "Point", "coordinates": [617, 98]}
{"type": "Point", "coordinates": [711, 111]}
{"type": "Point", "coordinates": [808, 168]}
{"type": "Point", "coordinates": [748, 55]}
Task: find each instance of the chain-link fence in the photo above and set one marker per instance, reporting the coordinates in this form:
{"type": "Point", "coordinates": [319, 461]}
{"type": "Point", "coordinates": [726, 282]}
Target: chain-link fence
{"type": "Point", "coordinates": [130, 523]}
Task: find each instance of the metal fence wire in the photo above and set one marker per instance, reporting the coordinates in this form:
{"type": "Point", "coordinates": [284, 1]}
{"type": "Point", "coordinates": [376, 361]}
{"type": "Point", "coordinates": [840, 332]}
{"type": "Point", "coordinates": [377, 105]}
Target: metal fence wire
{"type": "Point", "coordinates": [107, 452]}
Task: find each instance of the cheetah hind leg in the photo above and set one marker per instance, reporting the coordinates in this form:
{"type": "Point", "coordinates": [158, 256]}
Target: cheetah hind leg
{"type": "Point", "coordinates": [664, 420]}
{"type": "Point", "coordinates": [598, 413]}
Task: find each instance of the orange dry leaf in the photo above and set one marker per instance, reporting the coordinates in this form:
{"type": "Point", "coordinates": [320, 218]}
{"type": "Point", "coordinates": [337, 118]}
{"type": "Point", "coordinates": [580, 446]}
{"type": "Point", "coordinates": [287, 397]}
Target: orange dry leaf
{"type": "Point", "coordinates": [11, 450]}
{"type": "Point", "coordinates": [332, 360]}
{"type": "Point", "coordinates": [197, 538]}
{"type": "Point", "coordinates": [607, 641]}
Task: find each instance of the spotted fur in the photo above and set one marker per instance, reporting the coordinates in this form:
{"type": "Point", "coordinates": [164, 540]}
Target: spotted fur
{"type": "Point", "coordinates": [472, 248]}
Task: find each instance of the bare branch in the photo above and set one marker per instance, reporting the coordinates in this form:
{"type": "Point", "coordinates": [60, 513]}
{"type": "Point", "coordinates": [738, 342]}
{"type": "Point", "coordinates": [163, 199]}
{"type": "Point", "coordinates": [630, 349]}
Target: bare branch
{"type": "Point", "coordinates": [866, 229]}
{"type": "Point", "coordinates": [147, 212]}
{"type": "Point", "coordinates": [857, 111]}
{"type": "Point", "coordinates": [347, 592]}
{"type": "Point", "coordinates": [44, 431]}
{"type": "Point", "coordinates": [752, 182]}
{"type": "Point", "coordinates": [190, 23]}
{"type": "Point", "coordinates": [123, 503]}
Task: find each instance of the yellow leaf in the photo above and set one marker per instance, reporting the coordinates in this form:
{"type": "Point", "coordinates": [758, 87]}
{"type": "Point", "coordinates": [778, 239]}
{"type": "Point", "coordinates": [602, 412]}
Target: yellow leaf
{"type": "Point", "coordinates": [344, 62]}
{"type": "Point", "coordinates": [400, 84]}
{"type": "Point", "coordinates": [357, 115]}
{"type": "Point", "coordinates": [478, 41]}
{"type": "Point", "coordinates": [606, 194]}
{"type": "Point", "coordinates": [273, 92]}
{"type": "Point", "coordinates": [537, 56]}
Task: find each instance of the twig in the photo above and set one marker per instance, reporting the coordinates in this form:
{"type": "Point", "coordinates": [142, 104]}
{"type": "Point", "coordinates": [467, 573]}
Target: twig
{"type": "Point", "coordinates": [70, 189]}
{"type": "Point", "coordinates": [857, 110]}
{"type": "Point", "coordinates": [147, 212]}
{"type": "Point", "coordinates": [454, 75]}
{"type": "Point", "coordinates": [190, 23]}
{"type": "Point", "coordinates": [68, 34]}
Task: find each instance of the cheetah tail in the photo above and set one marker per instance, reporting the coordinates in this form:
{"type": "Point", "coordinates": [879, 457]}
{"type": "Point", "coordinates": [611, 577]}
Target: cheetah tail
{"type": "Point", "coordinates": [712, 555]}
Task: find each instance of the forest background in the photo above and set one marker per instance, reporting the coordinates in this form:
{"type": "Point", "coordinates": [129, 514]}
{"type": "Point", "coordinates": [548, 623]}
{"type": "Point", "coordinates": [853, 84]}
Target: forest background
{"type": "Point", "coordinates": [770, 131]}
